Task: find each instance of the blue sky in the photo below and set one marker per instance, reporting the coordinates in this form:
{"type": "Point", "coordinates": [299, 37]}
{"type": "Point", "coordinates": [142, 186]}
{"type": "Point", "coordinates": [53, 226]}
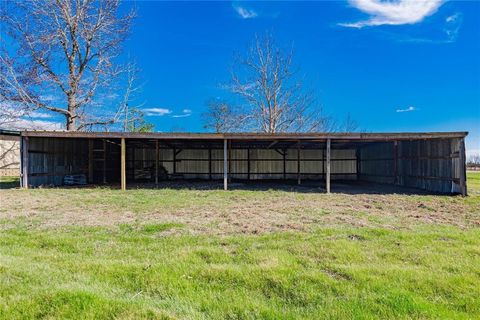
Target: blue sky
{"type": "Point", "coordinates": [418, 70]}
{"type": "Point", "coordinates": [398, 66]}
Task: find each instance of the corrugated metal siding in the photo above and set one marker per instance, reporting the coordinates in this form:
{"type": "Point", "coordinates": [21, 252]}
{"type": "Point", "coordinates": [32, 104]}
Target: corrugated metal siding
{"type": "Point", "coordinates": [433, 165]}
{"type": "Point", "coordinates": [376, 163]}
{"type": "Point", "coordinates": [51, 159]}
{"type": "Point", "coordinates": [428, 164]}
{"type": "Point", "coordinates": [264, 163]}
{"type": "Point", "coordinates": [424, 164]}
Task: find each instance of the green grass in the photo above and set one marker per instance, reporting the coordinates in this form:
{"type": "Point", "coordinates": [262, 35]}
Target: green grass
{"type": "Point", "coordinates": [9, 182]}
{"type": "Point", "coordinates": [427, 272]}
{"type": "Point", "coordinates": [473, 181]}
{"type": "Point", "coordinates": [153, 269]}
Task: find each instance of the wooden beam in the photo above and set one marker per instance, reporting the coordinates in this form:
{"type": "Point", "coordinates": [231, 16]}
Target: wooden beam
{"type": "Point", "coordinates": [90, 161]}
{"type": "Point", "coordinates": [123, 174]}
{"type": "Point", "coordinates": [209, 163]}
{"type": "Point", "coordinates": [248, 163]}
{"type": "Point", "coordinates": [174, 161]}
{"type": "Point", "coordinates": [104, 161]}
{"type": "Point", "coordinates": [299, 178]}
{"type": "Point", "coordinates": [230, 160]}
{"type": "Point", "coordinates": [358, 161]}
{"type": "Point", "coordinates": [272, 144]}
{"type": "Point", "coordinates": [329, 142]}
{"type": "Point", "coordinates": [225, 165]}
{"type": "Point", "coordinates": [24, 162]}
{"type": "Point", "coordinates": [157, 154]}
{"type": "Point", "coordinates": [463, 168]}
{"type": "Point", "coordinates": [395, 162]}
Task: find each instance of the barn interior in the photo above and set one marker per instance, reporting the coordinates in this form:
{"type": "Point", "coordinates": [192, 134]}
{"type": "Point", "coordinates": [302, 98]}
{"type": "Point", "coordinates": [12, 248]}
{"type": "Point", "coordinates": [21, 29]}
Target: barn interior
{"type": "Point", "coordinates": [433, 162]}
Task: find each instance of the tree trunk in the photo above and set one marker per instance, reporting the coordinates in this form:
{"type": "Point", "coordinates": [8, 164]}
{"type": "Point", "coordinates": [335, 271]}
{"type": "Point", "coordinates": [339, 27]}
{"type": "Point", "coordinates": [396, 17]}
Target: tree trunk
{"type": "Point", "coordinates": [71, 126]}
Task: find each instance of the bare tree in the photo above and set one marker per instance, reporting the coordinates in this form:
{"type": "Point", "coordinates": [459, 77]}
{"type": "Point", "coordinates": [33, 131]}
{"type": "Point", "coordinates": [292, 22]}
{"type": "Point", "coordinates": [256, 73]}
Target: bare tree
{"type": "Point", "coordinates": [222, 117]}
{"type": "Point", "coordinates": [64, 59]}
{"type": "Point", "coordinates": [473, 162]}
{"type": "Point", "coordinates": [278, 101]}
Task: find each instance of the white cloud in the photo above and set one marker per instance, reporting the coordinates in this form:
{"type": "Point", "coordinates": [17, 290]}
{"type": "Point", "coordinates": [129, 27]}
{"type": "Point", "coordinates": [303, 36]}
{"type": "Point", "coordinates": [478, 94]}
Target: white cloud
{"type": "Point", "coordinates": [28, 124]}
{"type": "Point", "coordinates": [39, 115]}
{"type": "Point", "coordinates": [186, 113]}
{"type": "Point", "coordinates": [181, 115]}
{"type": "Point", "coordinates": [393, 12]}
{"type": "Point", "coordinates": [453, 17]}
{"type": "Point", "coordinates": [452, 27]}
{"type": "Point", "coordinates": [156, 111]}
{"type": "Point", "coordinates": [245, 13]}
{"type": "Point", "coordinates": [409, 109]}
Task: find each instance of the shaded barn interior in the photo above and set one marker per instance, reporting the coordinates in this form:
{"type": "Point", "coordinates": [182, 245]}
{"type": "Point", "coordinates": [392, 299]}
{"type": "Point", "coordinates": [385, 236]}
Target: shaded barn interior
{"type": "Point", "coordinates": [433, 162]}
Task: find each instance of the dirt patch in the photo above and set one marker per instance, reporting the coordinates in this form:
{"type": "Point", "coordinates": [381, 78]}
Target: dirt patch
{"type": "Point", "coordinates": [240, 211]}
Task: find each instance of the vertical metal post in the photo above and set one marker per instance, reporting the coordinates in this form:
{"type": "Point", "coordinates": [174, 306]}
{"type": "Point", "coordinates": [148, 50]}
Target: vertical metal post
{"type": "Point", "coordinates": [463, 168]}
{"type": "Point", "coordinates": [174, 160]}
{"type": "Point", "coordinates": [123, 175]}
{"type": "Point", "coordinates": [299, 179]}
{"type": "Point", "coordinates": [104, 161]}
{"type": "Point", "coordinates": [157, 153]}
{"type": "Point", "coordinates": [358, 162]}
{"type": "Point", "coordinates": [329, 142]}
{"type": "Point", "coordinates": [90, 161]}
{"type": "Point", "coordinates": [395, 162]}
{"type": "Point", "coordinates": [225, 165]}
{"type": "Point", "coordinates": [209, 163]}
{"type": "Point", "coordinates": [24, 162]}
{"type": "Point", "coordinates": [248, 163]}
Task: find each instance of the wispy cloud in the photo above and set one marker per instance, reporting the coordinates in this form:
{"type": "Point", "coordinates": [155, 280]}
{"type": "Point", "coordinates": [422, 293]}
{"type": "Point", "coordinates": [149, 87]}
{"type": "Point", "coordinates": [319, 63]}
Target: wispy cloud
{"type": "Point", "coordinates": [185, 113]}
{"type": "Point", "coordinates": [156, 111]}
{"type": "Point", "coordinates": [39, 115]}
{"type": "Point", "coordinates": [29, 124]}
{"type": "Point", "coordinates": [409, 109]}
{"type": "Point", "coordinates": [393, 12]}
{"type": "Point", "coordinates": [452, 27]}
{"type": "Point", "coordinates": [244, 13]}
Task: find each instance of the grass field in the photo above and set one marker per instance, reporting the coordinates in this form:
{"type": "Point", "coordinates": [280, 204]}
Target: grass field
{"type": "Point", "coordinates": [243, 254]}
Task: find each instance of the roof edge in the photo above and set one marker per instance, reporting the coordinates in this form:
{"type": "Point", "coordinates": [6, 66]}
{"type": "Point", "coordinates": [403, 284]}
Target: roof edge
{"type": "Point", "coordinates": [250, 136]}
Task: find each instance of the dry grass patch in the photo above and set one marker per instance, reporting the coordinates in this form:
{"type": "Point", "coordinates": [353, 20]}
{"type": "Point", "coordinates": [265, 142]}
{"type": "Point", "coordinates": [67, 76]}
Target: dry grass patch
{"type": "Point", "coordinates": [237, 211]}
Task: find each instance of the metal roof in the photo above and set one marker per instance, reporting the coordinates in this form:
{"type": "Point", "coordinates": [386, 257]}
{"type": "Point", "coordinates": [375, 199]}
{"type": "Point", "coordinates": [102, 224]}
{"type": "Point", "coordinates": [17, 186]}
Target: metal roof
{"type": "Point", "coordinates": [351, 136]}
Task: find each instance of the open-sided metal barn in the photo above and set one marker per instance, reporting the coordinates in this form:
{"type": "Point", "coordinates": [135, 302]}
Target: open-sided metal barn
{"type": "Point", "coordinates": [428, 161]}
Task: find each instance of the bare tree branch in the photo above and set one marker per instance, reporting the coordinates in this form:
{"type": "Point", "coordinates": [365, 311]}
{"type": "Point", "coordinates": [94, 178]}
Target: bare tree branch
{"type": "Point", "coordinates": [64, 48]}
{"type": "Point", "coordinates": [276, 100]}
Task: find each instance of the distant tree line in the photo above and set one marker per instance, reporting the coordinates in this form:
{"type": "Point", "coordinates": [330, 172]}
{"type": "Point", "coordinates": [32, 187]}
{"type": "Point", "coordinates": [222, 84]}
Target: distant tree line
{"type": "Point", "coordinates": [473, 162]}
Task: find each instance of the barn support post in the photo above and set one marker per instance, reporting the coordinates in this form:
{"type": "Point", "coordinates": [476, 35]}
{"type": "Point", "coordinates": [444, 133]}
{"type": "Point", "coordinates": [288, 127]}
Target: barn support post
{"type": "Point", "coordinates": [329, 142]}
{"type": "Point", "coordinates": [24, 148]}
{"type": "Point", "coordinates": [157, 153]}
{"type": "Point", "coordinates": [248, 163]}
{"type": "Point", "coordinates": [395, 162]}
{"type": "Point", "coordinates": [123, 174]}
{"type": "Point", "coordinates": [209, 163]}
{"type": "Point", "coordinates": [299, 178]}
{"type": "Point", "coordinates": [230, 160]}
{"type": "Point", "coordinates": [463, 168]}
{"type": "Point", "coordinates": [174, 160]}
{"type": "Point", "coordinates": [90, 161]}
{"type": "Point", "coordinates": [225, 164]}
{"type": "Point", "coordinates": [358, 162]}
{"type": "Point", "coordinates": [104, 161]}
